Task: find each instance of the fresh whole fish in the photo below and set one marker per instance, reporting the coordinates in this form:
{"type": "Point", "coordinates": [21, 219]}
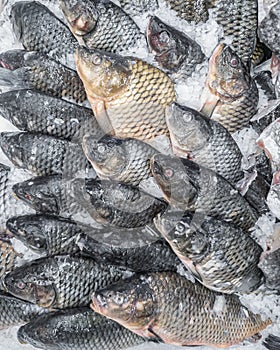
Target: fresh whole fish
{"type": "Point", "coordinates": [42, 154]}
{"type": "Point", "coordinates": [204, 141]}
{"type": "Point", "coordinates": [169, 307]}
{"type": "Point", "coordinates": [222, 257]}
{"type": "Point", "coordinates": [270, 266]}
{"type": "Point", "coordinates": [230, 95]}
{"type": "Point", "coordinates": [46, 234]}
{"type": "Point", "coordinates": [174, 52]}
{"type": "Point", "coordinates": [188, 186]}
{"type": "Point", "coordinates": [32, 111]}
{"type": "Point", "coordinates": [137, 7]}
{"type": "Point", "coordinates": [118, 204]}
{"type": "Point", "coordinates": [61, 281]}
{"type": "Point", "coordinates": [126, 160]}
{"type": "Point", "coordinates": [76, 329]}
{"type": "Point", "coordinates": [101, 25]}
{"type": "Point", "coordinates": [128, 96]}
{"type": "Point", "coordinates": [15, 312]}
{"type": "Point", "coordinates": [34, 70]}
{"type": "Point", "coordinates": [38, 29]}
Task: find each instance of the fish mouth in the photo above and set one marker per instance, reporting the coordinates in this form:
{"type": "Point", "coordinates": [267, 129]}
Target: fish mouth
{"type": "Point", "coordinates": [98, 303]}
{"type": "Point", "coordinates": [217, 53]}
{"type": "Point", "coordinates": [152, 34]}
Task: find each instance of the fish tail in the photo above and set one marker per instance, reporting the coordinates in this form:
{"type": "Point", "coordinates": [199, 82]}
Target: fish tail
{"type": "Point", "coordinates": [272, 342]}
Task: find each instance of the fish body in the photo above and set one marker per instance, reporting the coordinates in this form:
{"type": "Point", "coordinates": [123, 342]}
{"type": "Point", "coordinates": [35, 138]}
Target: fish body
{"type": "Point", "coordinates": [272, 342]}
{"type": "Point", "coordinates": [42, 154]}
{"type": "Point", "coordinates": [135, 8]}
{"type": "Point", "coordinates": [262, 120]}
{"type": "Point", "coordinates": [269, 264]}
{"type": "Point", "coordinates": [128, 96]}
{"type": "Point", "coordinates": [204, 141]}
{"type": "Point", "coordinates": [126, 161]}
{"type": "Point", "coordinates": [175, 52]}
{"type": "Point", "coordinates": [222, 257]}
{"type": "Point", "coordinates": [231, 95]}
{"type": "Point", "coordinates": [76, 329]}
{"type": "Point", "coordinates": [36, 112]}
{"type": "Point", "coordinates": [176, 311]}
{"type": "Point", "coordinates": [264, 80]}
{"type": "Point", "coordinates": [190, 10]}
{"type": "Point", "coordinates": [36, 71]}
{"type": "Point", "coordinates": [38, 29]}
{"type": "Point", "coordinates": [188, 186]}
{"type": "Point", "coordinates": [61, 281]}
{"type": "Point", "coordinates": [8, 257]}
{"type": "Point", "coordinates": [101, 24]}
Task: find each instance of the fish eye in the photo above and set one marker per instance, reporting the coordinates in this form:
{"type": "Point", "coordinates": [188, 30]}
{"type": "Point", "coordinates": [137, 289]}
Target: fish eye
{"type": "Point", "coordinates": [101, 148]}
{"type": "Point", "coordinates": [234, 62]}
{"type": "Point", "coordinates": [97, 60]}
{"type": "Point", "coordinates": [118, 299]}
{"type": "Point", "coordinates": [38, 242]}
{"type": "Point", "coordinates": [187, 117]}
{"type": "Point", "coordinates": [168, 173]}
{"type": "Point", "coordinates": [180, 229]}
{"type": "Point", "coordinates": [28, 197]}
{"type": "Point", "coordinates": [21, 285]}
{"type": "Point", "coordinates": [164, 37]}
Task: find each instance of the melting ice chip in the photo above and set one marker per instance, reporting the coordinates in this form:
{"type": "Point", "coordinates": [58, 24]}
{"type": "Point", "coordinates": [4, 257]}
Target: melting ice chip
{"type": "Point", "coordinates": [269, 140]}
{"type": "Point", "coordinates": [219, 304]}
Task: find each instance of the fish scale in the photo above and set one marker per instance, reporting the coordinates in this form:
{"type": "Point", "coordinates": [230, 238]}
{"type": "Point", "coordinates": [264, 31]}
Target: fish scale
{"type": "Point", "coordinates": [190, 10]}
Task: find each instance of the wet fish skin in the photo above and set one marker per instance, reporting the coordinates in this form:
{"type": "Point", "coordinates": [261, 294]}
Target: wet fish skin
{"type": "Point", "coordinates": [38, 29]}
{"type": "Point", "coordinates": [101, 24]}
{"type": "Point", "coordinates": [36, 112]}
{"type": "Point", "coordinates": [50, 155]}
{"type": "Point", "coordinates": [8, 257]}
{"type": "Point", "coordinates": [269, 264]}
{"type": "Point", "coordinates": [126, 161]}
{"type": "Point", "coordinates": [264, 80]}
{"type": "Point", "coordinates": [15, 312]}
{"type": "Point", "coordinates": [61, 281]}
{"type": "Point", "coordinates": [188, 186]}
{"type": "Point", "coordinates": [120, 205]}
{"type": "Point", "coordinates": [190, 10]}
{"type": "Point", "coordinates": [46, 234]}
{"type": "Point", "coordinates": [76, 329]}
{"type": "Point", "coordinates": [174, 51]}
{"type": "Point", "coordinates": [128, 96]}
{"type": "Point", "coordinates": [36, 71]}
{"type": "Point", "coordinates": [222, 257]}
{"type": "Point", "coordinates": [135, 8]}
{"type": "Point", "coordinates": [266, 119]}
{"type": "Point", "coordinates": [148, 305]}
{"type": "Point", "coordinates": [206, 142]}
{"type": "Point", "coordinates": [231, 95]}
{"type": "Point", "coordinates": [272, 342]}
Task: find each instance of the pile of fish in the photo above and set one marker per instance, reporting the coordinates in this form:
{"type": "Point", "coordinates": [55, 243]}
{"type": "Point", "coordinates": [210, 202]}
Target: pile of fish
{"type": "Point", "coordinates": [137, 241]}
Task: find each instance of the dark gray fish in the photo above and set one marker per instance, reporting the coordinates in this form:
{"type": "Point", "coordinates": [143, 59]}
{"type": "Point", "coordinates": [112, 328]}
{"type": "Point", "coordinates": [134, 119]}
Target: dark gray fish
{"type": "Point", "coordinates": [188, 186]}
{"type": "Point", "coordinates": [118, 204]}
{"type": "Point", "coordinates": [43, 155]}
{"type": "Point", "coordinates": [263, 167]}
{"type": "Point", "coordinates": [272, 342]}
{"type": "Point", "coordinates": [61, 281]}
{"type": "Point", "coordinates": [38, 29]}
{"type": "Point", "coordinates": [222, 257]}
{"type": "Point", "coordinates": [101, 25]}
{"type": "Point", "coordinates": [14, 312]}
{"type": "Point", "coordinates": [46, 234]}
{"type": "Point", "coordinates": [77, 329]}
{"type": "Point", "coordinates": [263, 119]}
{"type": "Point", "coordinates": [137, 7]}
{"type": "Point", "coordinates": [190, 10]}
{"type": "Point", "coordinates": [206, 142]}
{"type": "Point", "coordinates": [270, 266]}
{"type": "Point", "coordinates": [264, 81]}
{"type": "Point", "coordinates": [121, 160]}
{"type": "Point", "coordinates": [36, 71]}
{"type": "Point", "coordinates": [32, 111]}
{"type": "Point", "coordinates": [174, 51]}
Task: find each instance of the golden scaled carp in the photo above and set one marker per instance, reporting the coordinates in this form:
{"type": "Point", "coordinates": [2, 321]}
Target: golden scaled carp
{"type": "Point", "coordinates": [128, 95]}
{"type": "Point", "coordinates": [169, 307]}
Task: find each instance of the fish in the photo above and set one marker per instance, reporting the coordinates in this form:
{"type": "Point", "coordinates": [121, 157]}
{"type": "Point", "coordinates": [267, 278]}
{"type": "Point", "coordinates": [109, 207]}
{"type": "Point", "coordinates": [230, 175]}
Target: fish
{"type": "Point", "coordinates": [266, 117]}
{"type": "Point", "coordinates": [175, 52]}
{"type": "Point", "coordinates": [62, 281]}
{"type": "Point", "coordinates": [188, 186]}
{"type": "Point", "coordinates": [101, 25]}
{"type": "Point", "coordinates": [8, 256]}
{"type": "Point", "coordinates": [230, 95]}
{"type": "Point", "coordinates": [42, 154]}
{"type": "Point", "coordinates": [128, 96]}
{"type": "Point", "coordinates": [239, 20]}
{"type": "Point", "coordinates": [268, 30]}
{"type": "Point", "coordinates": [136, 8]}
{"type": "Point", "coordinates": [272, 342]}
{"type": "Point", "coordinates": [38, 29]}
{"type": "Point", "coordinates": [264, 80]}
{"type": "Point", "coordinates": [9, 205]}
{"type": "Point", "coordinates": [269, 264]}
{"type": "Point", "coordinates": [118, 204]}
{"type": "Point", "coordinates": [75, 329]}
{"type": "Point", "coordinates": [15, 312]}
{"type": "Point", "coordinates": [46, 234]}
{"type": "Point", "coordinates": [191, 10]}
{"type": "Point", "coordinates": [205, 141]}
{"type": "Point", "coordinates": [36, 71]}
{"type": "Point", "coordinates": [169, 307]}
{"type": "Point", "coordinates": [33, 111]}
{"type": "Point", "coordinates": [220, 256]}
{"type": "Point", "coordinates": [121, 160]}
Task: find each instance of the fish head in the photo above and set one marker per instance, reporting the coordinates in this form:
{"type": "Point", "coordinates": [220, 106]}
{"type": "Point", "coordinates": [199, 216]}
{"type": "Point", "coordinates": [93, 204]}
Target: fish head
{"type": "Point", "coordinates": [105, 75]}
{"type": "Point", "coordinates": [189, 130]}
{"type": "Point", "coordinates": [12, 59]}
{"type": "Point", "coordinates": [39, 194]}
{"type": "Point", "coordinates": [227, 77]}
{"type": "Point", "coordinates": [81, 15]}
{"type": "Point", "coordinates": [29, 230]}
{"type": "Point", "coordinates": [169, 173]}
{"type": "Point", "coordinates": [130, 303]}
{"type": "Point", "coordinates": [107, 155]}
{"type": "Point", "coordinates": [14, 145]}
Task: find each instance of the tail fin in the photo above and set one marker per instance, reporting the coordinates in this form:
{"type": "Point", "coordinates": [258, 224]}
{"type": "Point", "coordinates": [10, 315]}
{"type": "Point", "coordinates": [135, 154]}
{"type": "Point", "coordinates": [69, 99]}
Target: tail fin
{"type": "Point", "coordinates": [272, 342]}
{"type": "Point", "coordinates": [12, 80]}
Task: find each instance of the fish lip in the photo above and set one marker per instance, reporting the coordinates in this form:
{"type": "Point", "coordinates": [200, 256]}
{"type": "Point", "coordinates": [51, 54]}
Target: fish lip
{"type": "Point", "coordinates": [97, 303]}
{"type": "Point", "coordinates": [156, 168]}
